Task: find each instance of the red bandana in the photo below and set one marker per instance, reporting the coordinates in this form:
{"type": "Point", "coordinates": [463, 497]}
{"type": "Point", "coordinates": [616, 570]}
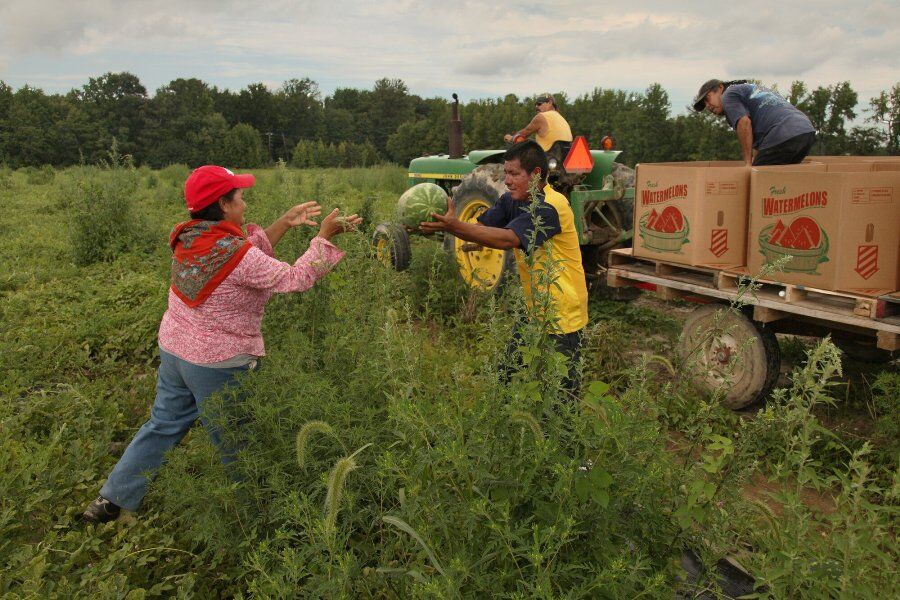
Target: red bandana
{"type": "Point", "coordinates": [204, 253]}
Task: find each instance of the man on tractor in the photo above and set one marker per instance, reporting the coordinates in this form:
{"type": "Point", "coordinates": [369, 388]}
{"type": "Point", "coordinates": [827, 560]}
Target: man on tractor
{"type": "Point", "coordinates": [539, 234]}
{"type": "Point", "coordinates": [548, 126]}
{"type": "Point", "coordinates": [771, 130]}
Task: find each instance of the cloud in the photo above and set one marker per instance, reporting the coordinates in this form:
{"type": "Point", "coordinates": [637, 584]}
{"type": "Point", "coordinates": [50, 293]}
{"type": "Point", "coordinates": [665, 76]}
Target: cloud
{"type": "Point", "coordinates": [485, 48]}
{"type": "Point", "coordinates": [500, 62]}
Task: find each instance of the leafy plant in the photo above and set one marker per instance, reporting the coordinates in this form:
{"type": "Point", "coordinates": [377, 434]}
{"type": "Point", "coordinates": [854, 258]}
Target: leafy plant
{"type": "Point", "coordinates": [467, 487]}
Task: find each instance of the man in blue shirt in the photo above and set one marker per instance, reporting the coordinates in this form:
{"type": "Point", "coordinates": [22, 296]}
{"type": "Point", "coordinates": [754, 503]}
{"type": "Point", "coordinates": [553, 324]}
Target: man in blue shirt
{"type": "Point", "coordinates": [770, 129]}
{"type": "Point", "coordinates": [541, 232]}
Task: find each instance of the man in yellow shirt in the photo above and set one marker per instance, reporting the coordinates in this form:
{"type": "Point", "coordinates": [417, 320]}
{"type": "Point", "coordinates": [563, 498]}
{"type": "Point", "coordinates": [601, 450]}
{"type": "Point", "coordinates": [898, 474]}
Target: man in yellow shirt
{"type": "Point", "coordinates": [541, 234]}
{"type": "Point", "coordinates": [548, 126]}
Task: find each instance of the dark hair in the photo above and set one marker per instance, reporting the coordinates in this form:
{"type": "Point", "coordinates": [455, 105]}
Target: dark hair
{"type": "Point", "coordinates": [214, 211]}
{"type": "Point", "coordinates": [531, 156]}
{"type": "Point", "coordinates": [733, 82]}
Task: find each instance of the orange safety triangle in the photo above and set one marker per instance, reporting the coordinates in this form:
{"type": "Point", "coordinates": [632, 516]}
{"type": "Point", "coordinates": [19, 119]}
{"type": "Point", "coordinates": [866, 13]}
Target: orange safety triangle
{"type": "Point", "coordinates": [579, 159]}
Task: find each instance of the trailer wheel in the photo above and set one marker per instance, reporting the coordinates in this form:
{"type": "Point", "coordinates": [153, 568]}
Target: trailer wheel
{"type": "Point", "coordinates": [392, 245]}
{"type": "Point", "coordinates": [480, 267]}
{"type": "Point", "coordinates": [715, 348]}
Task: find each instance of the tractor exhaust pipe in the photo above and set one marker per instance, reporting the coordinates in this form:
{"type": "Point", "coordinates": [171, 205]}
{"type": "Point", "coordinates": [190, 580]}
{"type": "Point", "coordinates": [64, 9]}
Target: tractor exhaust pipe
{"type": "Point", "coordinates": [456, 140]}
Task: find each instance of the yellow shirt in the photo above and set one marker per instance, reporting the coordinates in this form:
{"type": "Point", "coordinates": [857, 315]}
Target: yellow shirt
{"type": "Point", "coordinates": [558, 130]}
{"type": "Point", "coordinates": [568, 292]}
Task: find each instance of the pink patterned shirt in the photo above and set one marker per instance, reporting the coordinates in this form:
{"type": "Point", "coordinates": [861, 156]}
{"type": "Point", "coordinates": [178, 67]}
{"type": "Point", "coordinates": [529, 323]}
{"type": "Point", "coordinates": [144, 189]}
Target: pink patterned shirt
{"type": "Point", "coordinates": [229, 322]}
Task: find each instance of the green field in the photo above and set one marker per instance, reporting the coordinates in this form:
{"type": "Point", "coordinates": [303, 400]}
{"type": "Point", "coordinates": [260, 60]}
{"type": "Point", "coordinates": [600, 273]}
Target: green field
{"type": "Point", "coordinates": [459, 487]}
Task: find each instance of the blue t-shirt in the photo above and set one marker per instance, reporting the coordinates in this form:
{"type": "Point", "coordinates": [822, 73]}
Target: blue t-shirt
{"type": "Point", "coordinates": [532, 230]}
{"type": "Point", "coordinates": [774, 119]}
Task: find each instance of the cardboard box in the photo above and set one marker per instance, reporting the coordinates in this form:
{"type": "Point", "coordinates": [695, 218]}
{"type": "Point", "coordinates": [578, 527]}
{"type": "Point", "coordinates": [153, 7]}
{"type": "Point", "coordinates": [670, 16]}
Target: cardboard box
{"type": "Point", "coordinates": [849, 159]}
{"type": "Point", "coordinates": [836, 224]}
{"type": "Point", "coordinates": [692, 213]}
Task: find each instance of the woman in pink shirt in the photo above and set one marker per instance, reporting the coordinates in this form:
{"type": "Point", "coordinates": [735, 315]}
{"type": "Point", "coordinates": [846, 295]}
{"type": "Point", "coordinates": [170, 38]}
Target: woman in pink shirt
{"type": "Point", "coordinates": [221, 280]}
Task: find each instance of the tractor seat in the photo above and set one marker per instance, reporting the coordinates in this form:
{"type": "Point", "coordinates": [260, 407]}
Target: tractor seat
{"type": "Point", "coordinates": [559, 150]}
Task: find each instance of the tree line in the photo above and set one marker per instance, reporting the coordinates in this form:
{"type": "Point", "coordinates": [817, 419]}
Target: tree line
{"type": "Point", "coordinates": [188, 121]}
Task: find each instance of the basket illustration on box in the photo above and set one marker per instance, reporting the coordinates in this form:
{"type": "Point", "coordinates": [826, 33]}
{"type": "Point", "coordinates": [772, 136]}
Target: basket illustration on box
{"type": "Point", "coordinates": [803, 241]}
{"type": "Point", "coordinates": [666, 231]}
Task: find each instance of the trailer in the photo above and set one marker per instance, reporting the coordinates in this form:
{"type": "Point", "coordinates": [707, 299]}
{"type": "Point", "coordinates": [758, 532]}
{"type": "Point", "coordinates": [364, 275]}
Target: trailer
{"type": "Point", "coordinates": [739, 347]}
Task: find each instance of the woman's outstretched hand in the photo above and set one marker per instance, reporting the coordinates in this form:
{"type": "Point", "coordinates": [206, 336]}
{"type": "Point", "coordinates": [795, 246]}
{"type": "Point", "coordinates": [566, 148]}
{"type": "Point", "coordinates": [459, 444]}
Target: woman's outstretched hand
{"type": "Point", "coordinates": [302, 214]}
{"type": "Point", "coordinates": [334, 224]}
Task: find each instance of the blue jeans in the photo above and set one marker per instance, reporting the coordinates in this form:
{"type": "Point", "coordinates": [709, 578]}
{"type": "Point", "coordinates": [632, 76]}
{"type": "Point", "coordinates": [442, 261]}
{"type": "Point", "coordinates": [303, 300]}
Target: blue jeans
{"type": "Point", "coordinates": [181, 389]}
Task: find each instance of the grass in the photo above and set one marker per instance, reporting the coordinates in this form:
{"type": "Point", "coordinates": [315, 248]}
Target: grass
{"type": "Point", "coordinates": [465, 488]}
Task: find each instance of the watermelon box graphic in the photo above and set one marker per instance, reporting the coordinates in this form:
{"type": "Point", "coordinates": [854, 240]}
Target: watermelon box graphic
{"type": "Point", "coordinates": [866, 261]}
{"type": "Point", "coordinates": [867, 255]}
{"type": "Point", "coordinates": [718, 242]}
{"type": "Point", "coordinates": [692, 213]}
{"type": "Point", "coordinates": [802, 240]}
{"type": "Point", "coordinates": [666, 231]}
{"type": "Point", "coordinates": [838, 224]}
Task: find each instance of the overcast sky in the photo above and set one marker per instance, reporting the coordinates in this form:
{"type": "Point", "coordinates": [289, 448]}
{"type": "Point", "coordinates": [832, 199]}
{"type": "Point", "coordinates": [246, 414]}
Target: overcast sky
{"type": "Point", "coordinates": [478, 48]}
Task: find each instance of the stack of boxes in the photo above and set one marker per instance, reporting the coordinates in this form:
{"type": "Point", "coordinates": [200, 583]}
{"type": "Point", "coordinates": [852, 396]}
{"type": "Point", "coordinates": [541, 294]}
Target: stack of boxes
{"type": "Point", "coordinates": [831, 223]}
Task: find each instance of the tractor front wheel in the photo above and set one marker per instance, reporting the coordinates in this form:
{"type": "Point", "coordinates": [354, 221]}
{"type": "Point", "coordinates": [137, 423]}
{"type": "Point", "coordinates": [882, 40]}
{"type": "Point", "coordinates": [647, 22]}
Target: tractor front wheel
{"type": "Point", "coordinates": [392, 245]}
{"type": "Point", "coordinates": [479, 267]}
{"type": "Point", "coordinates": [724, 349]}
{"type": "Point", "coordinates": [606, 223]}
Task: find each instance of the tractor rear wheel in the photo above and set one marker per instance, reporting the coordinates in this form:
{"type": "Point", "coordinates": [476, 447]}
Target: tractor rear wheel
{"type": "Point", "coordinates": [392, 245]}
{"type": "Point", "coordinates": [715, 348]}
{"type": "Point", "coordinates": [479, 267]}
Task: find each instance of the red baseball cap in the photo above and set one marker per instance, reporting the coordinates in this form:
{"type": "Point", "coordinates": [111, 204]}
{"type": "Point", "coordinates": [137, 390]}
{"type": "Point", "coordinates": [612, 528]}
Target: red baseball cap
{"type": "Point", "coordinates": [209, 183]}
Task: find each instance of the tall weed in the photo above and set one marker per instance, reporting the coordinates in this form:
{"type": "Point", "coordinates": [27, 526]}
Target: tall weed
{"type": "Point", "coordinates": [487, 482]}
{"type": "Point", "coordinates": [175, 174]}
{"type": "Point", "coordinates": [467, 487]}
{"type": "Point", "coordinates": [6, 178]}
{"type": "Point", "coordinates": [107, 218]}
{"type": "Point", "coordinates": [43, 175]}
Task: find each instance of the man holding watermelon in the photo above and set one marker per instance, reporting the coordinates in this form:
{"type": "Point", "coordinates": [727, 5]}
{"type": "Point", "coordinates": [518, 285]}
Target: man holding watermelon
{"type": "Point", "coordinates": [770, 129]}
{"type": "Point", "coordinates": [541, 231]}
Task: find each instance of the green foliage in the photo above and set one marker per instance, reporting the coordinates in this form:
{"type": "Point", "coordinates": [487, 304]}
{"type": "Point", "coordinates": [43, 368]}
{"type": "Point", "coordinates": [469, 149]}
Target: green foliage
{"type": "Point", "coordinates": [106, 219]}
{"type": "Point", "coordinates": [116, 102]}
{"type": "Point", "coordinates": [335, 489]}
{"type": "Point", "coordinates": [241, 147]}
{"type": "Point", "coordinates": [828, 108]}
{"type": "Point", "coordinates": [886, 391]}
{"type": "Point", "coordinates": [308, 153]}
{"type": "Point", "coordinates": [304, 435]}
{"type": "Point", "coordinates": [885, 112]}
{"type": "Point", "coordinates": [187, 121]}
{"type": "Point", "coordinates": [421, 136]}
{"type": "Point", "coordinates": [462, 487]}
{"type": "Point", "coordinates": [823, 545]}
{"type": "Point", "coordinates": [40, 176]}
{"type": "Point", "coordinates": [175, 174]}
{"type": "Point", "coordinates": [6, 178]}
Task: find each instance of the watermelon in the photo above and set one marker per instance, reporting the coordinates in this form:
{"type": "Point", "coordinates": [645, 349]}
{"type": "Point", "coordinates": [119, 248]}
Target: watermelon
{"type": "Point", "coordinates": [670, 220]}
{"type": "Point", "coordinates": [802, 234]}
{"type": "Point", "coordinates": [777, 232]}
{"type": "Point", "coordinates": [418, 202]}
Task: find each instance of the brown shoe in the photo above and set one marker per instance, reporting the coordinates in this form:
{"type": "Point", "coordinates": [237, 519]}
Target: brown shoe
{"type": "Point", "coordinates": [101, 510]}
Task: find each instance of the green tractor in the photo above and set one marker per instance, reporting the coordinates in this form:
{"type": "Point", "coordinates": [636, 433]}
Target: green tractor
{"type": "Point", "coordinates": [602, 199]}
